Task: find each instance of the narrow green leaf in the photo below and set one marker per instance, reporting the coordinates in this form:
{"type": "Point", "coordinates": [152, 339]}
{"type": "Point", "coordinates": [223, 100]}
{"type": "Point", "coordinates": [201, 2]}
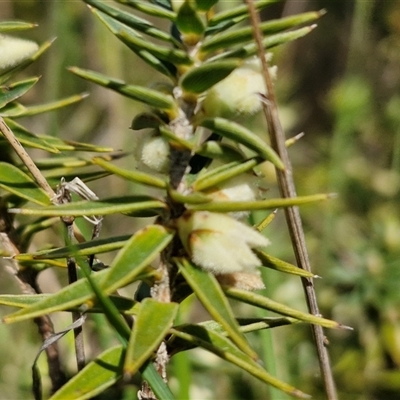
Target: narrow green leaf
{"type": "Point", "coordinates": [240, 134]}
{"type": "Point", "coordinates": [137, 43]}
{"type": "Point", "coordinates": [145, 121]}
{"type": "Point", "coordinates": [150, 9]}
{"type": "Point", "coordinates": [240, 36]}
{"type": "Point", "coordinates": [26, 300]}
{"type": "Point", "coordinates": [219, 345]}
{"type": "Point", "coordinates": [96, 246]}
{"type": "Point", "coordinates": [14, 181]}
{"type": "Point", "coordinates": [7, 26]}
{"type": "Point", "coordinates": [170, 54]}
{"type": "Point", "coordinates": [113, 205]}
{"type": "Point", "coordinates": [189, 23]}
{"type": "Point", "coordinates": [218, 150]}
{"type": "Point", "coordinates": [205, 5]}
{"type": "Point", "coordinates": [268, 304]}
{"type": "Point", "coordinates": [117, 28]}
{"type": "Point", "coordinates": [29, 139]}
{"type": "Point", "coordinates": [131, 175]}
{"type": "Point", "coordinates": [97, 376]}
{"type": "Point", "coordinates": [238, 11]}
{"type": "Point", "coordinates": [231, 206]}
{"type": "Point", "coordinates": [269, 42]}
{"type": "Point", "coordinates": [208, 291]}
{"type": "Point", "coordinates": [131, 20]}
{"type": "Point", "coordinates": [173, 139]}
{"type": "Point", "coordinates": [136, 255]}
{"type": "Point", "coordinates": [282, 266]}
{"type": "Point", "coordinates": [14, 91]}
{"type": "Point", "coordinates": [68, 297]}
{"type": "Point", "coordinates": [70, 145]}
{"type": "Point", "coordinates": [152, 323]}
{"type": "Point", "coordinates": [42, 108]}
{"type": "Point", "coordinates": [54, 176]}
{"type": "Point", "coordinates": [148, 96]}
{"type": "Point", "coordinates": [209, 180]}
{"type": "Point", "coordinates": [201, 78]}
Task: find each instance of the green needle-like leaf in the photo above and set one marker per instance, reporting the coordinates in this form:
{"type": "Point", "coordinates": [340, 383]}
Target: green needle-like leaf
{"type": "Point", "coordinates": [131, 175]}
{"type": "Point", "coordinates": [42, 108]}
{"type": "Point", "coordinates": [131, 20]}
{"type": "Point", "coordinates": [14, 181]}
{"type": "Point", "coordinates": [240, 36]}
{"type": "Point", "coordinates": [239, 11]}
{"type": "Point", "coordinates": [8, 26]}
{"type": "Point", "coordinates": [148, 96]}
{"type": "Point", "coordinates": [189, 23]}
{"type": "Point", "coordinates": [232, 206]}
{"type": "Point", "coordinates": [144, 246]}
{"type": "Point", "coordinates": [150, 9]}
{"type": "Point", "coordinates": [200, 79]}
{"type": "Point", "coordinates": [268, 304]}
{"type": "Point", "coordinates": [269, 42]}
{"type": "Point", "coordinates": [130, 264]}
{"type": "Point", "coordinates": [12, 92]}
{"type": "Point", "coordinates": [282, 266]}
{"type": "Point", "coordinates": [113, 205]}
{"type": "Point", "coordinates": [240, 134]}
{"type": "Point", "coordinates": [97, 246]}
{"type": "Point", "coordinates": [152, 323]}
{"type": "Point", "coordinates": [209, 293]}
{"type": "Point", "coordinates": [98, 375]}
{"type": "Point", "coordinates": [29, 139]}
{"type": "Point", "coordinates": [218, 344]}
{"type": "Point", "coordinates": [235, 168]}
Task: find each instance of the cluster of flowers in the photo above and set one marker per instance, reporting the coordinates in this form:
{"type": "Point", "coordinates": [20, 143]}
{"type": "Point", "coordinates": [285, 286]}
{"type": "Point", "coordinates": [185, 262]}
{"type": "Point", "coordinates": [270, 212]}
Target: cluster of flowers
{"type": "Point", "coordinates": [220, 243]}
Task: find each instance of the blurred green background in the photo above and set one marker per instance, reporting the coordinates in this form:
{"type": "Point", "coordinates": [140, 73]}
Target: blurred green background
{"type": "Point", "coordinates": [341, 86]}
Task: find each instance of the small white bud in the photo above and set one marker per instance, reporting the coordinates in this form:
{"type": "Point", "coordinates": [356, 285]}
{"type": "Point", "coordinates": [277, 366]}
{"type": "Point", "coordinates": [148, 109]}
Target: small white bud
{"type": "Point", "coordinates": [15, 50]}
{"type": "Point", "coordinates": [241, 188]}
{"type": "Point", "coordinates": [154, 153]}
{"type": "Point", "coordinates": [219, 243]}
{"type": "Point", "coordinates": [239, 93]}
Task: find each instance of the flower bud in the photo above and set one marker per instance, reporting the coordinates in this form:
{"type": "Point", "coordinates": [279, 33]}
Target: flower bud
{"type": "Point", "coordinates": [14, 50]}
{"type": "Point", "coordinates": [241, 188]}
{"type": "Point", "coordinates": [219, 243]}
{"type": "Point", "coordinates": [154, 153]}
{"type": "Point", "coordinates": [239, 93]}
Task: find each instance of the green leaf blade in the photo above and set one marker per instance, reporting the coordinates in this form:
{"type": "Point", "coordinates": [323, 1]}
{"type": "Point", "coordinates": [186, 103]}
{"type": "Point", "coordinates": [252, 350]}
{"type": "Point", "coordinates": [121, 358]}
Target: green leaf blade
{"type": "Point", "coordinates": [240, 134]}
{"type": "Point", "coordinates": [209, 292]}
{"type": "Point", "coordinates": [97, 376]}
{"type": "Point", "coordinates": [152, 323]}
{"type": "Point", "coordinates": [200, 79]}
{"type": "Point", "coordinates": [14, 181]}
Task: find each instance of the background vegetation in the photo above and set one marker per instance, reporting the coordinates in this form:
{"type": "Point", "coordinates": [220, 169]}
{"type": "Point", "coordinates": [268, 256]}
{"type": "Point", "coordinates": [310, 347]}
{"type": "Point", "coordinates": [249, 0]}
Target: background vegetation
{"type": "Point", "coordinates": [340, 85]}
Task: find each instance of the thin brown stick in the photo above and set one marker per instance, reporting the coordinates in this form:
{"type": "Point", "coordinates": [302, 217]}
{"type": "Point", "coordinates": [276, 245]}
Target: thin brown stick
{"type": "Point", "coordinates": [26, 159]}
{"type": "Point", "coordinates": [288, 190]}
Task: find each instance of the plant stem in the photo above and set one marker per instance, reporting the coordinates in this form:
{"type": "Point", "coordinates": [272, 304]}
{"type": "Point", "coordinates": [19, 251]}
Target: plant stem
{"type": "Point", "coordinates": [26, 159]}
{"type": "Point", "coordinates": [287, 190]}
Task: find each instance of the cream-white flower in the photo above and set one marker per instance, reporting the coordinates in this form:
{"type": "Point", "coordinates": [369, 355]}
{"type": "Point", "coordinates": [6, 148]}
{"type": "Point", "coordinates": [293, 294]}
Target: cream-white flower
{"type": "Point", "coordinates": [219, 243]}
{"type": "Point", "coordinates": [239, 93]}
{"type": "Point", "coordinates": [241, 188]}
{"type": "Point", "coordinates": [154, 153]}
{"type": "Point", "coordinates": [14, 50]}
